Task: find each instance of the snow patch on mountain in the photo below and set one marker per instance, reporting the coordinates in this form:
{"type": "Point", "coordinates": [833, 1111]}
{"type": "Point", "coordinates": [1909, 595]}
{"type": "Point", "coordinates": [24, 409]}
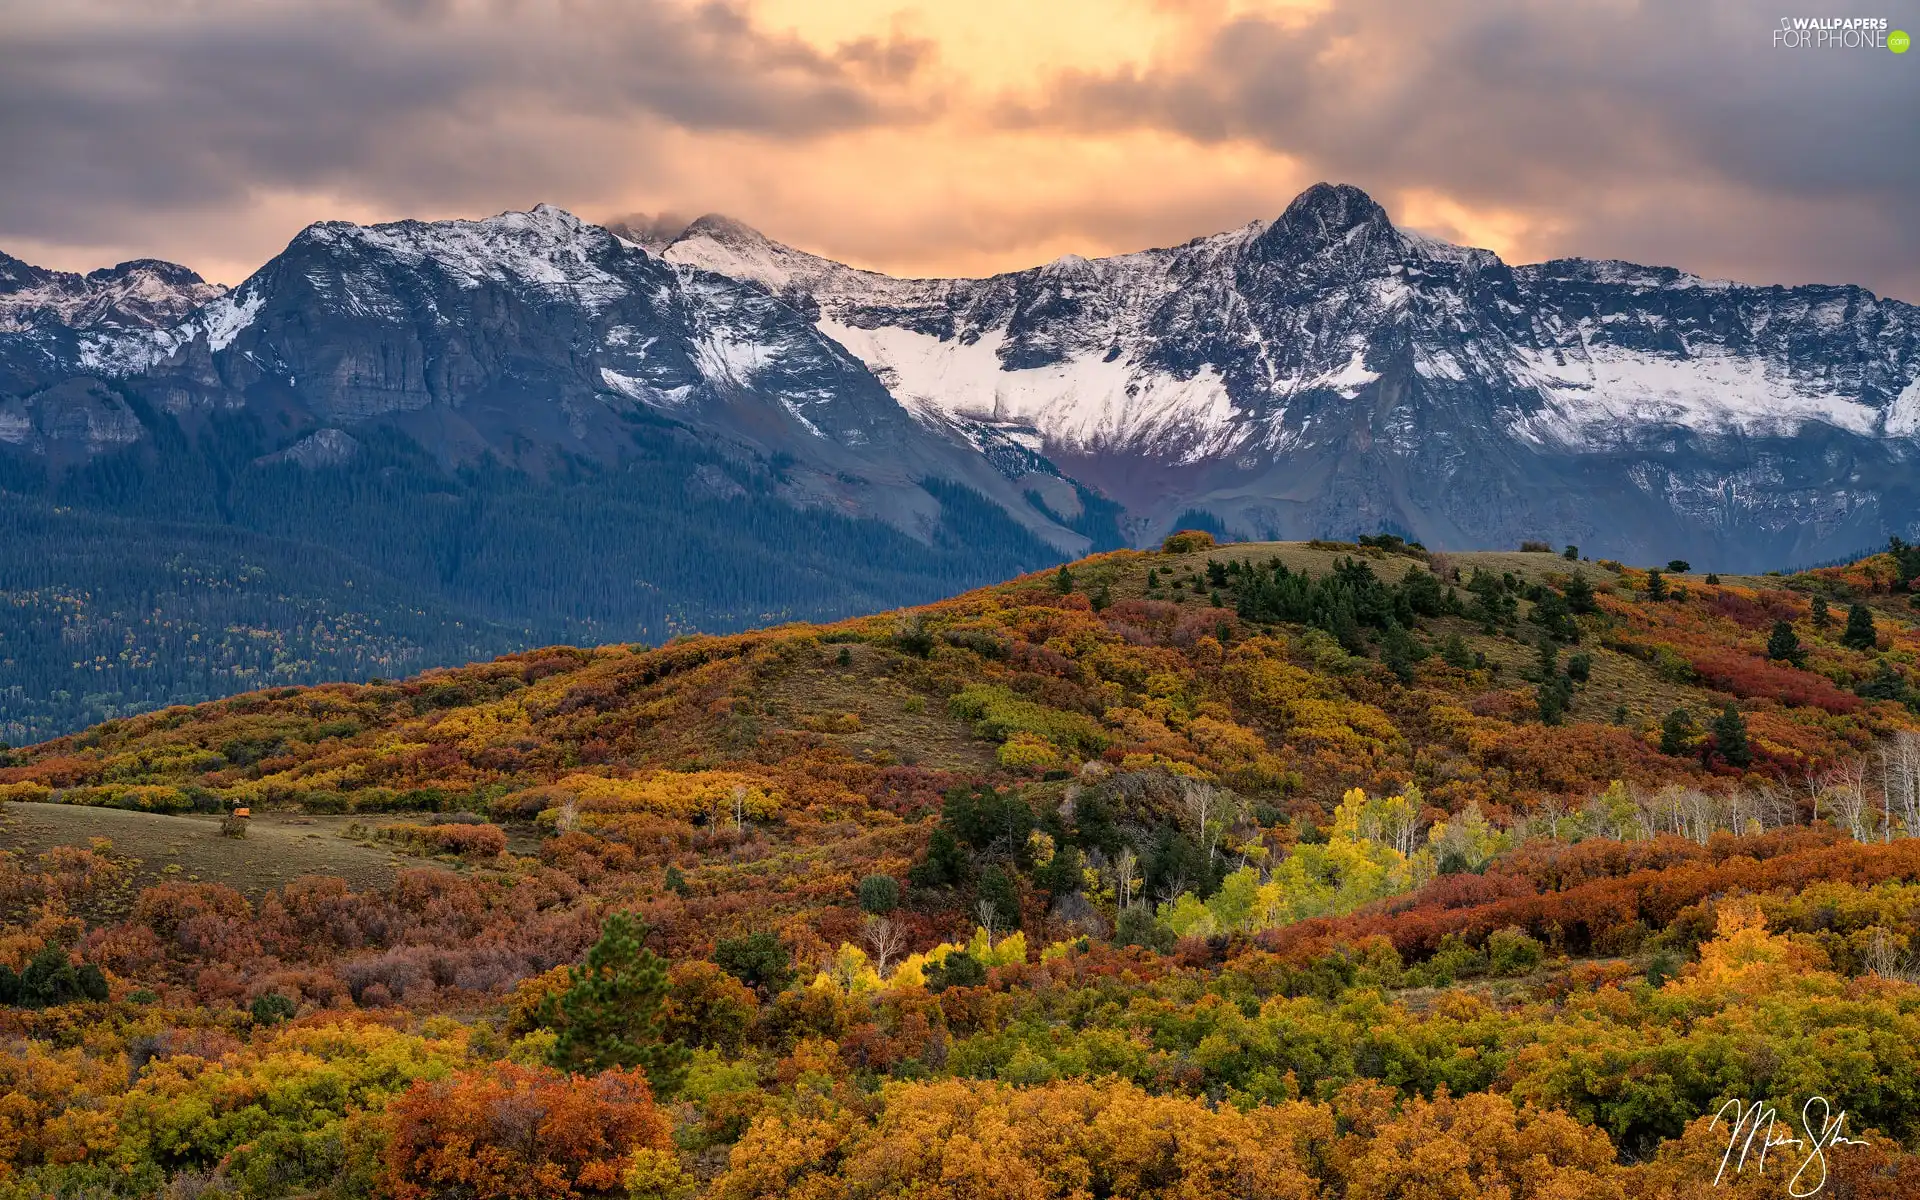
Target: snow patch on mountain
{"type": "Point", "coordinates": [226, 317]}
{"type": "Point", "coordinates": [1085, 402]}
{"type": "Point", "coordinates": [1601, 395]}
{"type": "Point", "coordinates": [1903, 418]}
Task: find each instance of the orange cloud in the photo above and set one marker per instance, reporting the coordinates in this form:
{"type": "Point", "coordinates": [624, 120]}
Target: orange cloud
{"type": "Point", "coordinates": [928, 137]}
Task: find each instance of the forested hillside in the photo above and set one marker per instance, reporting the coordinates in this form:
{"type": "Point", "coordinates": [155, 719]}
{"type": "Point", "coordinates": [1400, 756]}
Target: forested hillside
{"type": "Point", "coordinates": [199, 571]}
{"type": "Point", "coordinates": [1260, 870]}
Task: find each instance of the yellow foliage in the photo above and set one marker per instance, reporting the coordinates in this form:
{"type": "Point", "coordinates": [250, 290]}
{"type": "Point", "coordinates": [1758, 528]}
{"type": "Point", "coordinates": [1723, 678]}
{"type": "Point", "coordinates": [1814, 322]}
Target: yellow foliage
{"type": "Point", "coordinates": [667, 793]}
{"type": "Point", "coordinates": [1340, 724]}
{"type": "Point", "coordinates": [849, 972]}
{"type": "Point", "coordinates": [969, 1140]}
{"type": "Point", "coordinates": [1027, 750]}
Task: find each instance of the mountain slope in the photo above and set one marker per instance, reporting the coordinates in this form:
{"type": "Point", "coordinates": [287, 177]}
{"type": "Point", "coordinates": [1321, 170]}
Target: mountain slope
{"type": "Point", "coordinates": [530, 428]}
{"type": "Point", "coordinates": [1053, 867]}
{"type": "Point", "coordinates": [1326, 373]}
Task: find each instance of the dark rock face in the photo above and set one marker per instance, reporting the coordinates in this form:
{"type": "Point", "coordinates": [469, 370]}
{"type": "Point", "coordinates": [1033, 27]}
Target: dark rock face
{"type": "Point", "coordinates": [1327, 374]}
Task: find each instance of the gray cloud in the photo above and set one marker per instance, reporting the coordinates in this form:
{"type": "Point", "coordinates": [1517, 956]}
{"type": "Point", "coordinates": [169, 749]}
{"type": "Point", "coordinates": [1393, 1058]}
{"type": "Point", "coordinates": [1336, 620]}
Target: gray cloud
{"type": "Point", "coordinates": [1663, 132]}
{"type": "Point", "coordinates": [114, 111]}
{"type": "Point", "coordinates": [1667, 132]}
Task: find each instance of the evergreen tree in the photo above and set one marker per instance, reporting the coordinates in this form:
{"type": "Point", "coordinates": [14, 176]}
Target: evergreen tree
{"type": "Point", "coordinates": [1552, 697]}
{"type": "Point", "coordinates": [1399, 651]}
{"type": "Point", "coordinates": [1063, 580]}
{"type": "Point", "coordinates": [879, 894]}
{"type": "Point", "coordinates": [997, 889]}
{"type": "Point", "coordinates": [1821, 617]}
{"type": "Point", "coordinates": [609, 1016]}
{"type": "Point", "coordinates": [1136, 927]}
{"type": "Point", "coordinates": [1454, 650]}
{"type": "Point", "coordinates": [958, 969]}
{"type": "Point", "coordinates": [1859, 634]}
{"type": "Point", "coordinates": [757, 960]}
{"type": "Point", "coordinates": [944, 864]}
{"type": "Point", "coordinates": [1784, 645]}
{"type": "Point", "coordinates": [1730, 738]}
{"type": "Point", "coordinates": [1549, 659]}
{"type": "Point", "coordinates": [1062, 875]}
{"type": "Point", "coordinates": [1656, 586]}
{"type": "Point", "coordinates": [1676, 732]}
{"type": "Point", "coordinates": [1580, 594]}
{"type": "Point", "coordinates": [1885, 684]}
{"type": "Point", "coordinates": [1571, 554]}
{"type": "Point", "coordinates": [50, 979]}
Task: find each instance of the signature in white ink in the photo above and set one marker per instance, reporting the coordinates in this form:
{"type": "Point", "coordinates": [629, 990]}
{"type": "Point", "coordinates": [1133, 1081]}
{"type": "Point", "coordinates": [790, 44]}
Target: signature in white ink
{"type": "Point", "coordinates": [1755, 1129]}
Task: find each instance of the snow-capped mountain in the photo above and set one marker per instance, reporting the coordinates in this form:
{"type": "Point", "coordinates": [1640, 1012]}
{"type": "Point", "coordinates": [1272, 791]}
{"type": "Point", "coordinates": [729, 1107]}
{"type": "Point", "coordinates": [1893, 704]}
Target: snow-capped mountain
{"type": "Point", "coordinates": [525, 337]}
{"type": "Point", "coordinates": [53, 323]}
{"type": "Point", "coordinates": [1327, 373]}
{"type": "Point", "coordinates": [1323, 373]}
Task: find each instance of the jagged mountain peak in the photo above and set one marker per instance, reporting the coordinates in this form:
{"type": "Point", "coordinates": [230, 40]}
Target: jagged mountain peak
{"type": "Point", "coordinates": [724, 229]}
{"type": "Point", "coordinates": [652, 232]}
{"type": "Point", "coordinates": [1334, 208]}
{"type": "Point", "coordinates": [157, 268]}
{"type": "Point", "coordinates": [543, 223]}
{"type": "Point", "coordinates": [1331, 221]}
{"type": "Point", "coordinates": [140, 294]}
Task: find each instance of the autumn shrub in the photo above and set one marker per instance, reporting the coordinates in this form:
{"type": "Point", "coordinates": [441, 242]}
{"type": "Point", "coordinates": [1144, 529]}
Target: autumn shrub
{"type": "Point", "coordinates": [510, 1132]}
{"type": "Point", "coordinates": [1000, 715]}
{"type": "Point", "coordinates": [1187, 541]}
{"type": "Point", "coordinates": [470, 841]}
{"type": "Point", "coordinates": [1747, 676]}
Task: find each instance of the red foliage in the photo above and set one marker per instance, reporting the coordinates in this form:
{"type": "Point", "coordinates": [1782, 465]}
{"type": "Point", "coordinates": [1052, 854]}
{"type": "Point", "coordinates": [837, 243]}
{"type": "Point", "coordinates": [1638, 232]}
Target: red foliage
{"type": "Point", "coordinates": [1753, 678]}
{"type": "Point", "coordinates": [509, 1132]}
{"type": "Point", "coordinates": [1758, 610]}
{"type": "Point", "coordinates": [1590, 913]}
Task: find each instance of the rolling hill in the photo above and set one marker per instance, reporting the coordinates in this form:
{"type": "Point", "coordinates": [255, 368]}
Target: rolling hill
{"type": "Point", "coordinates": [1268, 869]}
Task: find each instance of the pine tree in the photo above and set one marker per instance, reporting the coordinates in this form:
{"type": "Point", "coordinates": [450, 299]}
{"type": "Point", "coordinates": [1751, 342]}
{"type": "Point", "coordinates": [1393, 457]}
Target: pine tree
{"type": "Point", "coordinates": [1549, 662]}
{"type": "Point", "coordinates": [1656, 586]}
{"type": "Point", "coordinates": [1675, 732]}
{"type": "Point", "coordinates": [1821, 617]}
{"type": "Point", "coordinates": [997, 889]}
{"type": "Point", "coordinates": [1063, 580]}
{"type": "Point", "coordinates": [1399, 651]}
{"type": "Point", "coordinates": [1784, 644]}
{"type": "Point", "coordinates": [609, 1016]}
{"type": "Point", "coordinates": [1580, 594]}
{"type": "Point", "coordinates": [1859, 634]}
{"type": "Point", "coordinates": [1730, 738]}
{"type": "Point", "coordinates": [1553, 696]}
{"type": "Point", "coordinates": [756, 959]}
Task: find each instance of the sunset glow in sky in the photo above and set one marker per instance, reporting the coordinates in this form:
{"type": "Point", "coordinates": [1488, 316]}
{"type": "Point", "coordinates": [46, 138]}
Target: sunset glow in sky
{"type": "Point", "coordinates": [923, 136]}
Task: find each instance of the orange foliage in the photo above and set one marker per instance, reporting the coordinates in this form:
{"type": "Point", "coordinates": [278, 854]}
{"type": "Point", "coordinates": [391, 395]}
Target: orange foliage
{"type": "Point", "coordinates": [517, 1133]}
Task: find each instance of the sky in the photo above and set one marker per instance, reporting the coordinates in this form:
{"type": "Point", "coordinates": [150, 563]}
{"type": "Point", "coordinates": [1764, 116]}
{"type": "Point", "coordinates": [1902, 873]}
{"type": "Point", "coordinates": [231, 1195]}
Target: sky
{"type": "Point", "coordinates": [966, 136]}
